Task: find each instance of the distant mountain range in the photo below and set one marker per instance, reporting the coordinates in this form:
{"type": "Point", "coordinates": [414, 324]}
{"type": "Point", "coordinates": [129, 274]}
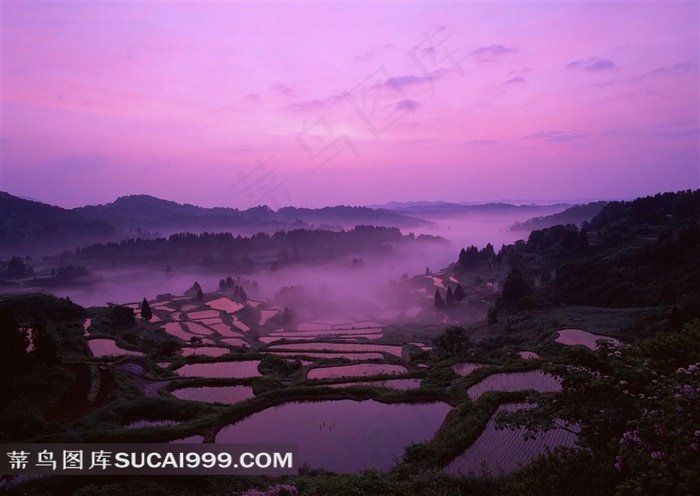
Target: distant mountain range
{"type": "Point", "coordinates": [145, 211]}
{"type": "Point", "coordinates": [27, 225]}
{"type": "Point", "coordinates": [572, 215]}
{"type": "Point", "coordinates": [446, 208]}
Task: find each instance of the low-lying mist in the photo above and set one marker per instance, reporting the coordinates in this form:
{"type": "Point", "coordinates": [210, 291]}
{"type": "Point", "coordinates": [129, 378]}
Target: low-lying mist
{"type": "Point", "coordinates": [372, 285]}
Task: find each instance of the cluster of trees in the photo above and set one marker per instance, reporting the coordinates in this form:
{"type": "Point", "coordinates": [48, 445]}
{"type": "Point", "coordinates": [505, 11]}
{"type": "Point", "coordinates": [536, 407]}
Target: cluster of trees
{"type": "Point", "coordinates": [662, 208]}
{"type": "Point", "coordinates": [451, 297]}
{"type": "Point", "coordinates": [637, 414]}
{"type": "Point", "coordinates": [236, 287]}
{"type": "Point", "coordinates": [452, 342]}
{"type": "Point", "coordinates": [19, 267]}
{"type": "Point", "coordinates": [622, 268]}
{"type": "Point", "coordinates": [243, 252]}
{"type": "Point", "coordinates": [471, 257]}
{"type": "Point", "coordinates": [65, 274]}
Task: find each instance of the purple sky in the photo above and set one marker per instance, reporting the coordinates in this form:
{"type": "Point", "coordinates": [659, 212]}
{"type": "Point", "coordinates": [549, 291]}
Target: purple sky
{"type": "Point", "coordinates": [236, 104]}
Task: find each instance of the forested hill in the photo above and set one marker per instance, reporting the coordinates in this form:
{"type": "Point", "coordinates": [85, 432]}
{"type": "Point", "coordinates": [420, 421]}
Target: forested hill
{"type": "Point", "coordinates": [131, 212]}
{"type": "Point", "coordinates": [24, 224]}
{"type": "Point", "coordinates": [572, 215]}
{"type": "Point", "coordinates": [639, 254]}
{"type": "Point", "coordinates": [247, 253]}
{"type": "Point", "coordinates": [660, 209]}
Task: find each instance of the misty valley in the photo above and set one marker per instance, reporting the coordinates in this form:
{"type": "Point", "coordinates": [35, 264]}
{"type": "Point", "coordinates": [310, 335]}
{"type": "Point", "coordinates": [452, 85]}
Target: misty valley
{"type": "Point", "coordinates": [413, 348]}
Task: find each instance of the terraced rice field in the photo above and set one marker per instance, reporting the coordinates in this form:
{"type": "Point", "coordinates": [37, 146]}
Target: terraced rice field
{"type": "Point", "coordinates": [174, 329]}
{"type": "Point", "coordinates": [107, 347]}
{"type": "Point", "coordinates": [196, 328]}
{"type": "Point", "coordinates": [401, 384]}
{"type": "Point", "coordinates": [311, 326]}
{"type": "Point", "coordinates": [497, 451]}
{"type": "Point", "coordinates": [353, 348]}
{"type": "Point", "coordinates": [224, 394]}
{"type": "Point", "coordinates": [236, 342]}
{"type": "Point", "coordinates": [528, 355]}
{"type": "Point", "coordinates": [274, 339]}
{"type": "Point", "coordinates": [205, 351]}
{"type": "Point", "coordinates": [210, 321]}
{"type": "Point", "coordinates": [230, 370]}
{"type": "Point", "coordinates": [162, 306]}
{"type": "Point", "coordinates": [422, 346]}
{"type": "Point", "coordinates": [515, 381]}
{"type": "Point", "coordinates": [240, 325]}
{"type": "Point", "coordinates": [225, 330]}
{"type": "Point", "coordinates": [266, 315]}
{"type": "Point", "coordinates": [203, 314]}
{"type": "Point", "coordinates": [466, 368]}
{"type": "Point", "coordinates": [413, 311]}
{"type": "Point", "coordinates": [327, 332]}
{"type": "Point", "coordinates": [357, 370]}
{"type": "Point", "coordinates": [349, 356]}
{"type": "Point", "coordinates": [225, 305]}
{"type": "Point", "coordinates": [571, 337]}
{"type": "Point", "coordinates": [344, 435]}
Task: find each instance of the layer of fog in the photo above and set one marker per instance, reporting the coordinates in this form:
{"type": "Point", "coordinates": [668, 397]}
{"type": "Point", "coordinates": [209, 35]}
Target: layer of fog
{"type": "Point", "coordinates": [331, 289]}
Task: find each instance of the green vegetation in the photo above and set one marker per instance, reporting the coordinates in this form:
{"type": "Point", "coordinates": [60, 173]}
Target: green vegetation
{"type": "Point", "coordinates": [632, 272]}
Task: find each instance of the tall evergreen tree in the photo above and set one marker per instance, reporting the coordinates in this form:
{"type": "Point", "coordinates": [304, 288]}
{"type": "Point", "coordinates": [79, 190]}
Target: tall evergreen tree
{"type": "Point", "coordinates": [439, 302]}
{"type": "Point", "coordinates": [459, 293]}
{"type": "Point", "coordinates": [449, 298]}
{"type": "Point", "coordinates": [146, 311]}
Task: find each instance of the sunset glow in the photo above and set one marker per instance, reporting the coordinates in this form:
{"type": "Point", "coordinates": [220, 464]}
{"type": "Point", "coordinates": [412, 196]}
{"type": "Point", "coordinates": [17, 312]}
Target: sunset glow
{"type": "Point", "coordinates": [240, 104]}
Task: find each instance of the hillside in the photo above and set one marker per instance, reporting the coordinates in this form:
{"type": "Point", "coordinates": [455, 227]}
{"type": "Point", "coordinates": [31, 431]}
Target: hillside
{"type": "Point", "coordinates": [438, 209]}
{"type": "Point", "coordinates": [572, 215]}
{"type": "Point", "coordinates": [130, 212]}
{"type": "Point", "coordinates": [26, 225]}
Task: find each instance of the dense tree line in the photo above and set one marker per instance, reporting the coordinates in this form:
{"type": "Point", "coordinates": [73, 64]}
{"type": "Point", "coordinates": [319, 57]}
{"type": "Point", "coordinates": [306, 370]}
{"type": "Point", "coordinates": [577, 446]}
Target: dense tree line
{"type": "Point", "coordinates": [641, 253]}
{"type": "Point", "coordinates": [210, 248]}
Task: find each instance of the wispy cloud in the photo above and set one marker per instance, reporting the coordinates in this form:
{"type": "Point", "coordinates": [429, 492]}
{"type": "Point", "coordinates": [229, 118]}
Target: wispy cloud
{"type": "Point", "coordinates": [515, 80]}
{"type": "Point", "coordinates": [316, 104]}
{"type": "Point", "coordinates": [593, 64]}
{"type": "Point", "coordinates": [482, 142]}
{"type": "Point", "coordinates": [407, 106]}
{"type": "Point", "coordinates": [282, 89]}
{"type": "Point", "coordinates": [554, 136]}
{"type": "Point", "coordinates": [492, 53]}
{"type": "Point", "coordinates": [681, 68]}
{"type": "Point", "coordinates": [409, 80]}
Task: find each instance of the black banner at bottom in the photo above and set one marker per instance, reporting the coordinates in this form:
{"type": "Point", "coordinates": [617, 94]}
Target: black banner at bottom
{"type": "Point", "coordinates": [149, 459]}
